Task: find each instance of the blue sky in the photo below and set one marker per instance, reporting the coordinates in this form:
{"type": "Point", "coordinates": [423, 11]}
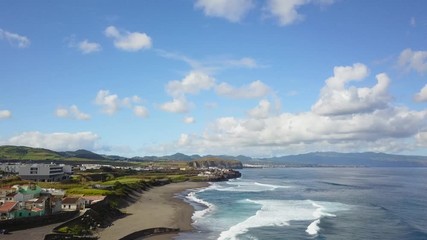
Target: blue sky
{"type": "Point", "coordinates": [259, 78]}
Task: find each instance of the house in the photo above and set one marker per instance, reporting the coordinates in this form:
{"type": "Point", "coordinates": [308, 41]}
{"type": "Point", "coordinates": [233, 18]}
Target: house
{"type": "Point", "coordinates": [7, 210]}
{"type": "Point", "coordinates": [72, 204]}
{"type": "Point", "coordinates": [26, 192]}
{"type": "Point", "coordinates": [56, 196]}
{"type": "Point", "coordinates": [4, 191]}
{"type": "Point", "coordinates": [89, 200]}
{"type": "Point", "coordinates": [13, 197]}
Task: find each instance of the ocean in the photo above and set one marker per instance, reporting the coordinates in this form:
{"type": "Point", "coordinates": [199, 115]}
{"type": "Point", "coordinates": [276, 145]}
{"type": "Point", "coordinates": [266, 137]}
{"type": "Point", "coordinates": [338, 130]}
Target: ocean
{"type": "Point", "coordinates": [313, 203]}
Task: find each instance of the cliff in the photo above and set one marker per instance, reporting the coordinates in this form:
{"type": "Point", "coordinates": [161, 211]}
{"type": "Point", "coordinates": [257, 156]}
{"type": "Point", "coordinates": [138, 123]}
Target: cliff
{"type": "Point", "coordinates": [216, 162]}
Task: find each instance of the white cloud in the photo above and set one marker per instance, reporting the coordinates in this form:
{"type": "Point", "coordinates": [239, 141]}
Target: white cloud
{"type": "Point", "coordinates": [87, 47]}
{"type": "Point", "coordinates": [263, 110]}
{"type": "Point", "coordinates": [421, 138]}
{"type": "Point", "coordinates": [5, 114]}
{"type": "Point", "coordinates": [140, 111]}
{"type": "Point", "coordinates": [256, 89]}
{"type": "Point", "coordinates": [336, 99]}
{"type": "Point", "coordinates": [111, 103]}
{"type": "Point", "coordinates": [374, 125]}
{"type": "Point", "coordinates": [189, 120]}
{"type": "Point", "coordinates": [287, 10]}
{"type": "Point", "coordinates": [287, 131]}
{"type": "Point", "coordinates": [422, 95]}
{"type": "Point", "coordinates": [413, 60]}
{"type": "Point", "coordinates": [14, 39]}
{"type": "Point", "coordinates": [233, 11]}
{"type": "Point", "coordinates": [128, 41]}
{"type": "Point", "coordinates": [193, 83]}
{"type": "Point", "coordinates": [177, 105]}
{"type": "Point", "coordinates": [59, 141]}
{"type": "Point", "coordinates": [246, 62]}
{"type": "Point", "coordinates": [71, 112]}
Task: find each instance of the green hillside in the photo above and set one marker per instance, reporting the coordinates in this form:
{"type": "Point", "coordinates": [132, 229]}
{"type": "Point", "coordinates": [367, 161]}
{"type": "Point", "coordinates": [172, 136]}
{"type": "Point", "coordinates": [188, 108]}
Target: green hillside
{"type": "Point", "coordinates": [21, 153]}
{"type": "Point", "coordinates": [27, 153]}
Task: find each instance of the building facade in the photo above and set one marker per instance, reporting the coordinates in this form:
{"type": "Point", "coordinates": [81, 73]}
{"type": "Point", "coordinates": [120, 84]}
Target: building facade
{"type": "Point", "coordinates": [43, 172]}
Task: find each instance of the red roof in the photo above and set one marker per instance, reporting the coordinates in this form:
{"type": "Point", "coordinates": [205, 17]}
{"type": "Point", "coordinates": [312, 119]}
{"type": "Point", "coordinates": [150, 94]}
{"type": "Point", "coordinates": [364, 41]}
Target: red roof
{"type": "Point", "coordinates": [70, 200]}
{"type": "Point", "coordinates": [7, 207]}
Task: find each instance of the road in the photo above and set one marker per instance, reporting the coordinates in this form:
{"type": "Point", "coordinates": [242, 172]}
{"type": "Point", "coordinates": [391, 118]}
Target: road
{"type": "Point", "coordinates": [37, 233]}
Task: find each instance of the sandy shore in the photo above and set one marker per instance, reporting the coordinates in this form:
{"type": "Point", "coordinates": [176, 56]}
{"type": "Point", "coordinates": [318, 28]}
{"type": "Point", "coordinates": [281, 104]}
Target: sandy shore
{"type": "Point", "coordinates": [155, 208]}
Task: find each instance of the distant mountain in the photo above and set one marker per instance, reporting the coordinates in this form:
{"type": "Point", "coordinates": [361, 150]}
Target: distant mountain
{"type": "Point", "coordinates": [81, 153]}
{"type": "Point", "coordinates": [178, 157]}
{"type": "Point", "coordinates": [368, 159]}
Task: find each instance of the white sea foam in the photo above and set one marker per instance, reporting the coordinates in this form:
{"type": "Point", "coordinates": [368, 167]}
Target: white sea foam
{"type": "Point", "coordinates": [281, 213]}
{"type": "Point", "coordinates": [313, 228]}
{"type": "Point", "coordinates": [200, 213]}
{"type": "Point", "coordinates": [241, 186]}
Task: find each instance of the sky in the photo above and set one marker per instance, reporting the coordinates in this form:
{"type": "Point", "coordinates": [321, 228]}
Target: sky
{"type": "Point", "coordinates": [251, 77]}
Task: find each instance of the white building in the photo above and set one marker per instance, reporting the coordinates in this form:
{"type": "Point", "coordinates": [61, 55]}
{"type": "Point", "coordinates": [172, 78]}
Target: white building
{"type": "Point", "coordinates": [43, 172]}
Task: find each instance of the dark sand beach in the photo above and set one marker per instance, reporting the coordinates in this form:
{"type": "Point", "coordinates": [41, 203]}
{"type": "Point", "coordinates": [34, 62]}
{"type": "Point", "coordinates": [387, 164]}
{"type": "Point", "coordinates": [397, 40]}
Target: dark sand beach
{"type": "Point", "coordinates": [155, 208]}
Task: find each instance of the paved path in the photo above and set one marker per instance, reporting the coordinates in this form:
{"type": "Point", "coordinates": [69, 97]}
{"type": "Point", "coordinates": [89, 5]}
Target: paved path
{"type": "Point", "coordinates": [37, 233]}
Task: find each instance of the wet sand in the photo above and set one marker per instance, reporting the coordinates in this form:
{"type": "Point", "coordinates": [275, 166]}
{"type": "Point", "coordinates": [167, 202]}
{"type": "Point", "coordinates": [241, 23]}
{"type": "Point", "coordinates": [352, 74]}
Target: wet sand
{"type": "Point", "coordinates": [155, 208]}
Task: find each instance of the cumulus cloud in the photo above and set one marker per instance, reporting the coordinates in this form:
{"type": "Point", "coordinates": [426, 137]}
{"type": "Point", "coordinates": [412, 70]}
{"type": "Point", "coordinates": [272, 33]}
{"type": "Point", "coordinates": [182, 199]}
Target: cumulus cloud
{"type": "Point", "coordinates": [59, 141]}
{"type": "Point", "coordinates": [14, 39]}
{"type": "Point", "coordinates": [256, 89]}
{"type": "Point", "coordinates": [5, 114]}
{"type": "Point", "coordinates": [128, 41]}
{"type": "Point", "coordinates": [413, 60]}
{"type": "Point", "coordinates": [111, 103]}
{"type": "Point", "coordinates": [263, 110]}
{"type": "Point", "coordinates": [422, 95]}
{"type": "Point", "coordinates": [189, 120]}
{"type": "Point", "coordinates": [287, 131]}
{"type": "Point", "coordinates": [140, 111]}
{"type": "Point", "coordinates": [336, 99]}
{"type": "Point", "coordinates": [373, 125]}
{"type": "Point", "coordinates": [287, 11]}
{"type": "Point", "coordinates": [193, 83]}
{"type": "Point", "coordinates": [72, 112]}
{"type": "Point", "coordinates": [177, 105]}
{"type": "Point", "coordinates": [233, 11]}
{"type": "Point", "coordinates": [87, 47]}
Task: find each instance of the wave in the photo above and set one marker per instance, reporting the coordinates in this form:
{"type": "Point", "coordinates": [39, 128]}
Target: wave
{"type": "Point", "coordinates": [209, 207]}
{"type": "Point", "coordinates": [281, 213]}
{"type": "Point", "coordinates": [239, 186]}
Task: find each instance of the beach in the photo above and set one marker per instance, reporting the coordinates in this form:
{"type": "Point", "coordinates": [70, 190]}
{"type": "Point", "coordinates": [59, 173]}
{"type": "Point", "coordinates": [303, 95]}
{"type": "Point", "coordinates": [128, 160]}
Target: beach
{"type": "Point", "coordinates": [157, 207]}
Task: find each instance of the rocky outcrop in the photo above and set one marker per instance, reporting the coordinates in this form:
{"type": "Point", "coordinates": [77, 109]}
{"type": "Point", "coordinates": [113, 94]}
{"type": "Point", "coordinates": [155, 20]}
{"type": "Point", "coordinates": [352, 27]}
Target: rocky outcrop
{"type": "Point", "coordinates": [217, 163]}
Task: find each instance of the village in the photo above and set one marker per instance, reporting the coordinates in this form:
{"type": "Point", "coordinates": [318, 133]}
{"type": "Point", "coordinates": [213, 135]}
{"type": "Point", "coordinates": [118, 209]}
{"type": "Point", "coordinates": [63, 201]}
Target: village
{"type": "Point", "coordinates": [34, 195]}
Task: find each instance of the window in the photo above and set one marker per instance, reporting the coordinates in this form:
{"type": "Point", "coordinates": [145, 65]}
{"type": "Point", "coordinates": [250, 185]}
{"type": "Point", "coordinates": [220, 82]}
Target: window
{"type": "Point", "coordinates": [34, 170]}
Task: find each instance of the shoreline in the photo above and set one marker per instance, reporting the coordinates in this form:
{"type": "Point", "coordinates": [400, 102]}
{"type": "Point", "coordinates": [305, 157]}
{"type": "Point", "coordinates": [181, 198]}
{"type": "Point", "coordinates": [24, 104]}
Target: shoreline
{"type": "Point", "coordinates": [155, 208]}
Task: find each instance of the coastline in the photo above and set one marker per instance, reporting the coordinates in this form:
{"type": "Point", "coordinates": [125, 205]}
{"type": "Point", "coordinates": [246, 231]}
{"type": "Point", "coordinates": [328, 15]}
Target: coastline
{"type": "Point", "coordinates": [157, 207]}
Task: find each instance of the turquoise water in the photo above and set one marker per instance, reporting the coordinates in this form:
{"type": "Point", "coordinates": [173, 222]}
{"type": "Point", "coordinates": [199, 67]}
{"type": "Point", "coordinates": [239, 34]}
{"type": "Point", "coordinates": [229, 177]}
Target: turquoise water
{"type": "Point", "coordinates": [313, 203]}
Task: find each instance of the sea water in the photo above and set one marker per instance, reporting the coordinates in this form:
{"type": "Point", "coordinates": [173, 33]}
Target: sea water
{"type": "Point", "coordinates": [313, 203]}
